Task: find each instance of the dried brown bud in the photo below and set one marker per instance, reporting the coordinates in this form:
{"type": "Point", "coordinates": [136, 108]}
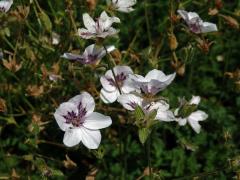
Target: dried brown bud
{"type": "Point", "coordinates": [204, 45]}
{"type": "Point", "coordinates": [219, 4]}
{"type": "Point", "coordinates": [68, 163]}
{"type": "Point", "coordinates": [12, 65]}
{"type": "Point", "coordinates": [91, 4]}
{"type": "Point", "coordinates": [117, 56]}
{"type": "Point", "coordinates": [35, 90]}
{"type": "Point", "coordinates": [231, 21]}
{"type": "Point", "coordinates": [3, 106]}
{"type": "Point", "coordinates": [212, 12]}
{"type": "Point", "coordinates": [172, 40]}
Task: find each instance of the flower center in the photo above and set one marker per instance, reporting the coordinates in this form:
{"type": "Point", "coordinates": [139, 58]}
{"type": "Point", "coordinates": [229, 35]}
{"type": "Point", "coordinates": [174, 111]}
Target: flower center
{"type": "Point", "coordinates": [76, 119]}
{"type": "Point", "coordinates": [2, 9]}
{"type": "Point", "coordinates": [90, 59]}
{"type": "Point", "coordinates": [120, 78]}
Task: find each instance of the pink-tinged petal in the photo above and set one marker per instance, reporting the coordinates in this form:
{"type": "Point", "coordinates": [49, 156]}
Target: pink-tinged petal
{"type": "Point", "coordinates": [109, 97]}
{"type": "Point", "coordinates": [130, 101]}
{"type": "Point", "coordinates": [89, 23]}
{"type": "Point", "coordinates": [72, 137]}
{"type": "Point", "coordinates": [137, 78]}
{"type": "Point", "coordinates": [155, 74]}
{"type": "Point", "coordinates": [5, 5]}
{"type": "Point", "coordinates": [62, 111]}
{"type": "Point", "coordinates": [97, 121]}
{"type": "Point", "coordinates": [122, 69]}
{"type": "Point", "coordinates": [183, 14]}
{"type": "Point", "coordinates": [91, 138]}
{"type": "Point", "coordinates": [71, 56]}
{"type": "Point", "coordinates": [86, 101]}
{"type": "Point", "coordinates": [90, 49]}
{"type": "Point", "coordinates": [129, 86]}
{"type": "Point", "coordinates": [208, 27]}
{"type": "Point", "coordinates": [195, 100]}
{"type": "Point", "coordinates": [198, 116]}
{"type": "Point", "coordinates": [195, 125]}
{"type": "Point", "coordinates": [84, 33]}
{"type": "Point", "coordinates": [193, 17]}
{"type": "Point", "coordinates": [107, 80]}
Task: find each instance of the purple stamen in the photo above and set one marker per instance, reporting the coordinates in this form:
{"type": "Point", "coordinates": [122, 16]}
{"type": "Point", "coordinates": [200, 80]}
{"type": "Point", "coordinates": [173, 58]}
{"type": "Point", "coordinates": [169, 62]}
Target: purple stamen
{"type": "Point", "coordinates": [120, 78]}
{"type": "Point", "coordinates": [76, 119]}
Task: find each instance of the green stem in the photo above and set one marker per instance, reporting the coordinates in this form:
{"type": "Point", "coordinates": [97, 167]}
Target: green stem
{"type": "Point", "coordinates": [147, 23]}
{"type": "Point", "coordinates": [149, 157]}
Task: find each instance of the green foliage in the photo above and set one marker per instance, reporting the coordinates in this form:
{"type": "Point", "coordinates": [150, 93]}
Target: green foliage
{"type": "Point", "coordinates": [31, 144]}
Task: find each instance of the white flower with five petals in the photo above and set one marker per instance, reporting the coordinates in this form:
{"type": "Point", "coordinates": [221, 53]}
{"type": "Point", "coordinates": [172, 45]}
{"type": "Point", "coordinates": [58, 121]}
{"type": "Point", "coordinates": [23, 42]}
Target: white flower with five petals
{"type": "Point", "coordinates": [123, 5]}
{"type": "Point", "coordinates": [80, 123]}
{"type": "Point", "coordinates": [153, 82]}
{"type": "Point", "coordinates": [194, 118]}
{"type": "Point", "coordinates": [101, 28]}
{"type": "Point", "coordinates": [110, 92]}
{"type": "Point", "coordinates": [5, 5]}
{"type": "Point", "coordinates": [195, 23]}
{"type": "Point", "coordinates": [91, 55]}
{"type": "Point", "coordinates": [131, 101]}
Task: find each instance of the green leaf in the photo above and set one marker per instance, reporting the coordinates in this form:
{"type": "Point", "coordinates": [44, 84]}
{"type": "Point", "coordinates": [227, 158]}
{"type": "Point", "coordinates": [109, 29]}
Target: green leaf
{"type": "Point", "coordinates": [139, 114]}
{"type": "Point", "coordinates": [143, 134]}
{"type": "Point", "coordinates": [45, 20]}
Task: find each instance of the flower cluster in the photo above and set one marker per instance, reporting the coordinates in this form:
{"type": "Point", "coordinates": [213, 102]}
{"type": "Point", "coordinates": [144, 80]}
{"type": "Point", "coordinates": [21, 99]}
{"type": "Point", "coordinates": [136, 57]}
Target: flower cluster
{"type": "Point", "coordinates": [120, 84]}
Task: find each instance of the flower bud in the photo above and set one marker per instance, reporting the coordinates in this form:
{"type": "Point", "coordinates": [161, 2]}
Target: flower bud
{"type": "Point", "coordinates": [172, 40]}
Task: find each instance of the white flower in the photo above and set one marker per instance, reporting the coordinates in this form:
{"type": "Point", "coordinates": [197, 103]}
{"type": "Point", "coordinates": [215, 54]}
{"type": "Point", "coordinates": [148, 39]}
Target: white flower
{"type": "Point", "coordinates": [91, 54]}
{"type": "Point", "coordinates": [110, 92]}
{"type": "Point", "coordinates": [153, 82]}
{"type": "Point", "coordinates": [5, 5]}
{"type": "Point", "coordinates": [195, 23]}
{"type": "Point", "coordinates": [123, 5]}
{"type": "Point", "coordinates": [194, 118]}
{"type": "Point", "coordinates": [131, 101]}
{"type": "Point", "coordinates": [80, 123]}
{"type": "Point", "coordinates": [101, 28]}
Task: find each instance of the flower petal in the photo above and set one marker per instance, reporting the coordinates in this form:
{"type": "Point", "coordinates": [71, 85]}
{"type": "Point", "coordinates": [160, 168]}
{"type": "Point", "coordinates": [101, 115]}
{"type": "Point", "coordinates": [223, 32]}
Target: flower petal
{"type": "Point", "coordinates": [122, 69]}
{"type": "Point", "coordinates": [63, 110]}
{"type": "Point", "coordinates": [166, 116]}
{"type": "Point", "coordinates": [89, 23]}
{"type": "Point", "coordinates": [198, 116]}
{"type": "Point", "coordinates": [97, 121]}
{"type": "Point", "coordinates": [107, 80]}
{"type": "Point", "coordinates": [208, 27]}
{"type": "Point", "coordinates": [71, 56]}
{"type": "Point", "coordinates": [109, 97]}
{"type": "Point", "coordinates": [86, 34]}
{"type": "Point", "coordinates": [195, 100]}
{"type": "Point", "coordinates": [195, 125]}
{"type": "Point", "coordinates": [86, 101]}
{"type": "Point", "coordinates": [181, 121]}
{"type": "Point", "coordinates": [91, 138]}
{"type": "Point", "coordinates": [5, 5]}
{"type": "Point", "coordinates": [130, 101]}
{"type": "Point", "coordinates": [72, 137]}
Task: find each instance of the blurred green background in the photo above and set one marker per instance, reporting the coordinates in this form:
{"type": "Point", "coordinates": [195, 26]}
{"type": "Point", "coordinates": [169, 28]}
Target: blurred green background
{"type": "Point", "coordinates": [30, 140]}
